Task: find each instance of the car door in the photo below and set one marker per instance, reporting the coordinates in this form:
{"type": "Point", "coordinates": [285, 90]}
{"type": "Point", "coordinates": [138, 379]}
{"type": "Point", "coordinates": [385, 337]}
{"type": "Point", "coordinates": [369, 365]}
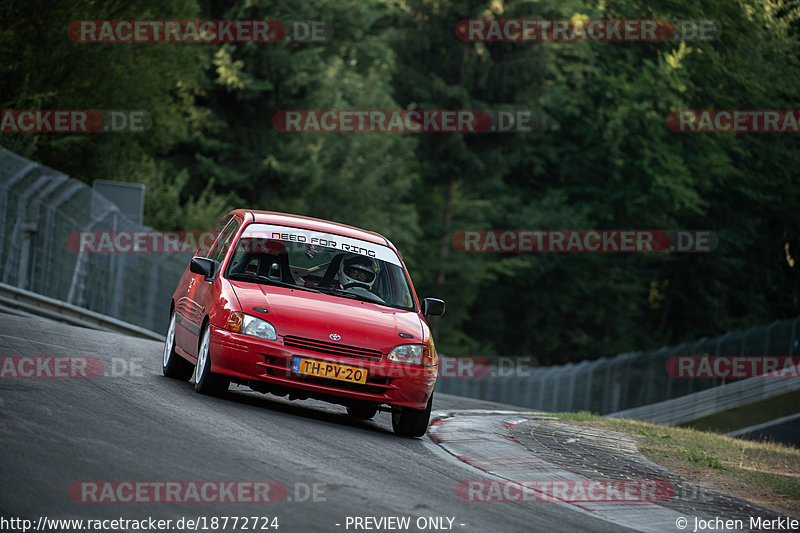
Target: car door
{"type": "Point", "coordinates": [203, 294]}
{"type": "Point", "coordinates": [186, 333]}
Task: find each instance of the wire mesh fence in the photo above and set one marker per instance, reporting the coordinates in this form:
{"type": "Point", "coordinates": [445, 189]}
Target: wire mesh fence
{"type": "Point", "coordinates": [626, 381]}
{"type": "Point", "coordinates": [39, 209]}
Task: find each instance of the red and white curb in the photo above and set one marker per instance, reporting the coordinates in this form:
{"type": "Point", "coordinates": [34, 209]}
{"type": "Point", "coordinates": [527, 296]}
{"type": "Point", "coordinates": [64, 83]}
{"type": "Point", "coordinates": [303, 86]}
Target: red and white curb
{"type": "Point", "coordinates": [482, 440]}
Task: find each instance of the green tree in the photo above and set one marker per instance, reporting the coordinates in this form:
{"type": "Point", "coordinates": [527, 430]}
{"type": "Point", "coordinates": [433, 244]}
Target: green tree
{"type": "Point", "coordinates": [42, 68]}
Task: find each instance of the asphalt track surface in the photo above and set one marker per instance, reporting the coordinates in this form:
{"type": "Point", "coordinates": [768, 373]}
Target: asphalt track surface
{"type": "Point", "coordinates": [133, 424]}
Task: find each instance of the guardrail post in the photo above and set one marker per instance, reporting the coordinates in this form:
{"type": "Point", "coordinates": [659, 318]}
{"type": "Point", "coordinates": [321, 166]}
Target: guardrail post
{"type": "Point", "coordinates": [768, 335]}
{"type": "Point", "coordinates": [7, 184]}
{"type": "Point", "coordinates": [152, 298]}
{"type": "Point", "coordinates": [18, 232]}
{"type": "Point", "coordinates": [587, 401]}
{"type": "Point", "coordinates": [28, 230]}
{"type": "Point", "coordinates": [69, 191]}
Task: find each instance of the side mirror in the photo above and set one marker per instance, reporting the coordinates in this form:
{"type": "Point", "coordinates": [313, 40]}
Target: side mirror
{"type": "Point", "coordinates": [432, 307]}
{"type": "Point", "coordinates": [202, 266]}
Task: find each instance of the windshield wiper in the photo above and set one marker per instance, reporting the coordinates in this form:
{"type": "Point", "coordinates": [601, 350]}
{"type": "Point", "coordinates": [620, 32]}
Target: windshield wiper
{"type": "Point", "coordinates": [339, 292]}
{"type": "Point", "coordinates": [352, 295]}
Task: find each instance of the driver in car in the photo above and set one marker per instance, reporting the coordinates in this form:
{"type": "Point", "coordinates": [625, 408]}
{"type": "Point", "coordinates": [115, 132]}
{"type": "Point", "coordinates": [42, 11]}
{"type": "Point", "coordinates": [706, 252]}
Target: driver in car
{"type": "Point", "coordinates": [357, 271]}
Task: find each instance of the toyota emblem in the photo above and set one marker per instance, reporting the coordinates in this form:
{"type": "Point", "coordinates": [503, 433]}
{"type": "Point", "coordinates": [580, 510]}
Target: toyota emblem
{"type": "Point", "coordinates": [335, 336]}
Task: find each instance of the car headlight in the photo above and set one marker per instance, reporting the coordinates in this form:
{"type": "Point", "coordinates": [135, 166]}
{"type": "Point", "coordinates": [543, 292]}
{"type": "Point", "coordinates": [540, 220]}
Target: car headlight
{"type": "Point", "coordinates": [251, 325]}
{"type": "Point", "coordinates": [407, 353]}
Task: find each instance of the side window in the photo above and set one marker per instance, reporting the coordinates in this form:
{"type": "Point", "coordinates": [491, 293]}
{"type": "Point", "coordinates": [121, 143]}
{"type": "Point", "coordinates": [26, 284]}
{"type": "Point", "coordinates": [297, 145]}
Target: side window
{"type": "Point", "coordinates": [211, 237]}
{"type": "Point", "coordinates": [217, 253]}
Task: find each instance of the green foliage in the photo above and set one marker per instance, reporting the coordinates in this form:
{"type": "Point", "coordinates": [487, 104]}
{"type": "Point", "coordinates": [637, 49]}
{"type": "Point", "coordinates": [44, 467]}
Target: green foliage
{"type": "Point", "coordinates": [700, 456]}
{"type": "Point", "coordinates": [43, 69]}
{"type": "Point", "coordinates": [601, 156]}
{"type": "Point", "coordinates": [653, 434]}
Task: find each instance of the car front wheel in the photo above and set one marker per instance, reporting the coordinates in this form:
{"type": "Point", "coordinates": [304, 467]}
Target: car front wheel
{"type": "Point", "coordinates": [207, 382]}
{"type": "Point", "coordinates": [174, 366]}
{"type": "Point", "coordinates": [412, 422]}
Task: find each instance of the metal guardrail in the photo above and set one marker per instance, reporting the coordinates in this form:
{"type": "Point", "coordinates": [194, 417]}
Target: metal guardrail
{"type": "Point", "coordinates": [710, 401]}
{"type": "Point", "coordinates": [626, 381]}
{"type": "Point", "coordinates": [39, 209]}
{"type": "Point", "coordinates": [764, 425]}
{"type": "Point", "coordinates": [31, 303]}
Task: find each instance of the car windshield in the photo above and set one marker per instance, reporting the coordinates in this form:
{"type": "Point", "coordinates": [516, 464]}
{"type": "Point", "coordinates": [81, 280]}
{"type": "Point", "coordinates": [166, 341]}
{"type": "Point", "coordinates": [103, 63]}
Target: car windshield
{"type": "Point", "coordinates": [320, 262]}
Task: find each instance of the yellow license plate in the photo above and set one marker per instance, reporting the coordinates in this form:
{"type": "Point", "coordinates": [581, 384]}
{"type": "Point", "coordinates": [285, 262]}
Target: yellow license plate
{"type": "Point", "coordinates": [324, 369]}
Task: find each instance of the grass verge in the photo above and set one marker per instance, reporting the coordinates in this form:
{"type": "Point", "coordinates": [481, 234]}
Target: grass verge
{"type": "Point", "coordinates": [765, 473]}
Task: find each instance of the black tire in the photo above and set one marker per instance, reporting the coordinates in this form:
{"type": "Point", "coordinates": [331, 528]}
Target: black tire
{"type": "Point", "coordinates": [412, 422]}
{"type": "Point", "coordinates": [207, 382]}
{"type": "Point", "coordinates": [365, 410]}
{"type": "Point", "coordinates": [173, 365]}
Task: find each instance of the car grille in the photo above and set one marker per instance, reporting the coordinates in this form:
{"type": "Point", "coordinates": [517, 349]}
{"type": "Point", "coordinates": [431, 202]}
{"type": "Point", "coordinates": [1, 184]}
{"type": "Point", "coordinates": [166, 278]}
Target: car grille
{"type": "Point", "coordinates": [332, 349]}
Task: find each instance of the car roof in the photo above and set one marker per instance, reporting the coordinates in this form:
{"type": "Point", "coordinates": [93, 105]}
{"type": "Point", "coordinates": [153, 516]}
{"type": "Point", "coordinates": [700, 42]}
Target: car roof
{"type": "Point", "coordinates": [314, 224]}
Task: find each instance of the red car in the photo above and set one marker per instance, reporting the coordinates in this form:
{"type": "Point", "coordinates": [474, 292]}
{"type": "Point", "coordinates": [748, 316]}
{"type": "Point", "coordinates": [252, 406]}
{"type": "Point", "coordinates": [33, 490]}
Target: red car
{"type": "Point", "coordinates": [307, 308]}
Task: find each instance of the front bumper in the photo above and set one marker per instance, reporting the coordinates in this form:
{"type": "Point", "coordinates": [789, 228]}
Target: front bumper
{"type": "Point", "coordinates": [248, 358]}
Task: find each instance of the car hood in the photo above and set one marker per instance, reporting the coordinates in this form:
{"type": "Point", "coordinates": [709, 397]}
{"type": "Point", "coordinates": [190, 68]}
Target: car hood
{"type": "Point", "coordinates": [317, 316]}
